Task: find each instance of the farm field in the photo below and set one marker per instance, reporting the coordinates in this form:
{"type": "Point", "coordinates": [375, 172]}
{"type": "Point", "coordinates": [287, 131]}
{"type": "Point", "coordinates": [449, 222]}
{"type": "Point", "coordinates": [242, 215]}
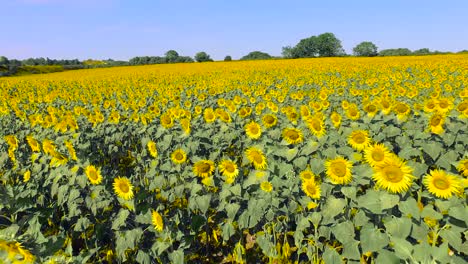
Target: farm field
{"type": "Point", "coordinates": [353, 160]}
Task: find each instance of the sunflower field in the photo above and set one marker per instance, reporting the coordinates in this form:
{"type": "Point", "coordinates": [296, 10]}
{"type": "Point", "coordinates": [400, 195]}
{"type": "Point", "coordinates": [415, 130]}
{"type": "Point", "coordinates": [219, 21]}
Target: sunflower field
{"type": "Point", "coordinates": [334, 160]}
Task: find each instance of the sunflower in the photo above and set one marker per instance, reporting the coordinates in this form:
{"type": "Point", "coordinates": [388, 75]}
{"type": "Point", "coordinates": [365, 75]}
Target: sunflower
{"type": "Point", "coordinates": [371, 109]}
{"type": "Point", "coordinates": [123, 188]}
{"type": "Point", "coordinates": [224, 116]}
{"type": "Point", "coordinates": [436, 123]}
{"type": "Point", "coordinates": [35, 146]}
{"type": "Point", "coordinates": [209, 115]}
{"type": "Point", "coordinates": [185, 124]}
{"type": "Point", "coordinates": [203, 168]}
{"type": "Point", "coordinates": [336, 119]}
{"type": "Point", "coordinates": [393, 175]}
{"type": "Point", "coordinates": [253, 130]}
{"type": "Point", "coordinates": [166, 120]}
{"type": "Point", "coordinates": [315, 125]}
{"type": "Point", "coordinates": [402, 110]}
{"type": "Point", "coordinates": [15, 253]}
{"type": "Point", "coordinates": [266, 186]}
{"type": "Point", "coordinates": [339, 170]}
{"type": "Point", "coordinates": [245, 112]}
{"type": "Point", "coordinates": [178, 156]}
{"type": "Point", "coordinates": [307, 175]}
{"type": "Point", "coordinates": [12, 141]}
{"type": "Point", "coordinates": [157, 221]}
{"type": "Point", "coordinates": [228, 168]}
{"type": "Point", "coordinates": [292, 116]}
{"type": "Point", "coordinates": [26, 176]}
{"type": "Point", "coordinates": [292, 135]}
{"type": "Point", "coordinates": [71, 150]}
{"type": "Point", "coordinates": [462, 106]}
{"type": "Point", "coordinates": [441, 184]}
{"type": "Point", "coordinates": [48, 147]}
{"type": "Point", "coordinates": [256, 156]}
{"type": "Point", "coordinates": [269, 120]}
{"type": "Point", "coordinates": [463, 167]}
{"type": "Point", "coordinates": [94, 175]}
{"type": "Point", "coordinates": [444, 105]}
{"type": "Point", "coordinates": [386, 106]}
{"type": "Point", "coordinates": [152, 149]}
{"type": "Point", "coordinates": [359, 139]}
{"type": "Point", "coordinates": [430, 106]}
{"type": "Point", "coordinates": [353, 113]}
{"type": "Point", "coordinates": [311, 189]}
{"type": "Point", "coordinates": [376, 154]}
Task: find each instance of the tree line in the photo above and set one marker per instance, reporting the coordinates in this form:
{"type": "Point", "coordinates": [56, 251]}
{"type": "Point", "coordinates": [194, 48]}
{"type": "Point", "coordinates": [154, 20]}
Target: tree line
{"type": "Point", "coordinates": [323, 45]}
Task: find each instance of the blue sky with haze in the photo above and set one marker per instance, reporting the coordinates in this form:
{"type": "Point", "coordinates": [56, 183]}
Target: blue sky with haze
{"type": "Point", "coordinates": [102, 29]}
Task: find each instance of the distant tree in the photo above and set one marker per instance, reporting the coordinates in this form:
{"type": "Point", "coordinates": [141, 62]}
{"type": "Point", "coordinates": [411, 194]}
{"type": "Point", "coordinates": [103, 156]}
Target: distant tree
{"type": "Point", "coordinates": [463, 51]}
{"type": "Point", "coordinates": [423, 51]}
{"type": "Point", "coordinates": [184, 59]}
{"type": "Point", "coordinates": [306, 48]}
{"type": "Point", "coordinates": [228, 58]}
{"type": "Point", "coordinates": [287, 52]}
{"type": "Point", "coordinates": [395, 52]}
{"type": "Point", "coordinates": [202, 57]}
{"type": "Point", "coordinates": [328, 45]}
{"type": "Point", "coordinates": [172, 56]}
{"type": "Point", "coordinates": [365, 49]}
{"type": "Point", "coordinates": [4, 61]}
{"type": "Point", "coordinates": [256, 55]}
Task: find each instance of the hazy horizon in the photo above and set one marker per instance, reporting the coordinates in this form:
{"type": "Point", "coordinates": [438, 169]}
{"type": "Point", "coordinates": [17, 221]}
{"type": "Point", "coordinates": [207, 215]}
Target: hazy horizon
{"type": "Point", "coordinates": [120, 30]}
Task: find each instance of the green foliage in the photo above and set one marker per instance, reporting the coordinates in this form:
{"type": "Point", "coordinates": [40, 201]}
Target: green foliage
{"type": "Point", "coordinates": [395, 52]}
{"type": "Point", "coordinates": [323, 45]}
{"type": "Point", "coordinates": [256, 55]}
{"type": "Point", "coordinates": [228, 58]}
{"type": "Point", "coordinates": [365, 49]}
{"type": "Point", "coordinates": [202, 57]}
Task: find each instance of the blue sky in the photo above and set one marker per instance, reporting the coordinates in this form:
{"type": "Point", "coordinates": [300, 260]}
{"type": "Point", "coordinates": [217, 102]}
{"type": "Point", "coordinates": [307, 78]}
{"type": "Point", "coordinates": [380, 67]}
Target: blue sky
{"type": "Point", "coordinates": [118, 29]}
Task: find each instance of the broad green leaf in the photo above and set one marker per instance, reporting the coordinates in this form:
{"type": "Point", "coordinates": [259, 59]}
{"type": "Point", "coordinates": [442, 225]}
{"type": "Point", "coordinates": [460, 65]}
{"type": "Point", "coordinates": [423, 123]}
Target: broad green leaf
{"type": "Point", "coordinates": [403, 248]}
{"type": "Point", "coordinates": [344, 232]}
{"type": "Point", "coordinates": [143, 257]}
{"type": "Point", "coordinates": [433, 149]}
{"type": "Point", "coordinates": [409, 208]}
{"type": "Point", "coordinates": [177, 256]}
{"type": "Point", "coordinates": [372, 240]}
{"type": "Point", "coordinates": [231, 210]}
{"type": "Point", "coordinates": [460, 213]}
{"type": "Point", "coordinates": [333, 207]}
{"type": "Point", "coordinates": [386, 256]}
{"type": "Point", "coordinates": [331, 256]}
{"type": "Point", "coordinates": [398, 227]}
{"type": "Point", "coordinates": [453, 238]}
{"type": "Point", "coordinates": [120, 219]}
{"type": "Point", "coordinates": [228, 230]}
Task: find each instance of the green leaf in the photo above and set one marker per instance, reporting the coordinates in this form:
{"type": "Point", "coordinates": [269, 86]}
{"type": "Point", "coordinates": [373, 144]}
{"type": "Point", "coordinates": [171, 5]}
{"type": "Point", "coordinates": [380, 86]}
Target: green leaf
{"type": "Point", "coordinates": [231, 210]}
{"type": "Point", "coordinates": [349, 192]}
{"type": "Point", "coordinates": [344, 232]}
{"type": "Point", "coordinates": [266, 245]}
{"type": "Point", "coordinates": [392, 131]}
{"type": "Point", "coordinates": [351, 250]}
{"type": "Point", "coordinates": [433, 149]}
{"type": "Point", "coordinates": [388, 200]}
{"type": "Point", "coordinates": [421, 253]}
{"type": "Point", "coordinates": [403, 248]}
{"type": "Point", "coordinates": [370, 201]}
{"type": "Point", "coordinates": [120, 219]}
{"type": "Point", "coordinates": [398, 227]}
{"type": "Point", "coordinates": [177, 256]}
{"type": "Point", "coordinates": [331, 256]}
{"type": "Point", "coordinates": [143, 257]}
{"type": "Point", "coordinates": [445, 161]}
{"type": "Point", "coordinates": [428, 211]}
{"type": "Point", "coordinates": [315, 218]}
{"type": "Point", "coordinates": [333, 207]}
{"type": "Point", "coordinates": [300, 163]}
{"type": "Point", "coordinates": [409, 208]}
{"type": "Point", "coordinates": [372, 240]}
{"type": "Point", "coordinates": [228, 230]}
{"type": "Point", "coordinates": [309, 148]}
{"type": "Point", "coordinates": [386, 256]}
{"type": "Point", "coordinates": [453, 238]}
{"type": "Point", "coordinates": [460, 213]}
{"type": "Point", "coordinates": [203, 202]}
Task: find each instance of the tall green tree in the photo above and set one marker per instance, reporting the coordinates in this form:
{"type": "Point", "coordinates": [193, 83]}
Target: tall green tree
{"type": "Point", "coordinates": [4, 61]}
{"type": "Point", "coordinates": [172, 56]}
{"type": "Point", "coordinates": [202, 57]}
{"type": "Point", "coordinates": [228, 58]}
{"type": "Point", "coordinates": [329, 45]}
{"type": "Point", "coordinates": [365, 49]}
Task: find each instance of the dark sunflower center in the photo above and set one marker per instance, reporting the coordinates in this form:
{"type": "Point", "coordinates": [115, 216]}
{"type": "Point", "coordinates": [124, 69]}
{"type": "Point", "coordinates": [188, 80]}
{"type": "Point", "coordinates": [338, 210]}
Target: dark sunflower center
{"type": "Point", "coordinates": [311, 189]}
{"type": "Point", "coordinates": [291, 134]}
{"type": "Point", "coordinates": [339, 169]}
{"type": "Point", "coordinates": [377, 155]}
{"type": "Point", "coordinates": [435, 121]}
{"type": "Point", "coordinates": [441, 184]}
{"type": "Point", "coordinates": [179, 156]}
{"type": "Point", "coordinates": [204, 167]}
{"type": "Point", "coordinates": [359, 138]}
{"type": "Point", "coordinates": [229, 168]}
{"type": "Point", "coordinates": [93, 175]}
{"type": "Point", "coordinates": [393, 174]}
{"type": "Point", "coordinates": [123, 186]}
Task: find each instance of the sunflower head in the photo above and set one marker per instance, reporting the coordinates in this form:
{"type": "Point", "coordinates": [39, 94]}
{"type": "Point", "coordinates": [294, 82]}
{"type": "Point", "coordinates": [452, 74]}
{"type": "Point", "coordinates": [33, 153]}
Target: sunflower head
{"type": "Point", "coordinates": [157, 221]}
{"type": "Point", "coordinates": [93, 174]}
{"type": "Point", "coordinates": [463, 167]}
{"type": "Point", "coordinates": [359, 139]}
{"type": "Point", "coordinates": [229, 169]}
{"type": "Point", "coordinates": [209, 115]}
{"type": "Point", "coordinates": [35, 146]}
{"type": "Point", "coordinates": [435, 123]}
{"type": "Point", "coordinates": [441, 184]}
{"type": "Point", "coordinates": [292, 135]}
{"type": "Point", "coordinates": [123, 188]}
{"type": "Point", "coordinates": [393, 175]}
{"type": "Point", "coordinates": [253, 130]}
{"type": "Point", "coordinates": [153, 151]}
{"type": "Point", "coordinates": [315, 125]}
{"type": "Point", "coordinates": [336, 119]}
{"type": "Point", "coordinates": [376, 154]}
{"type": "Point", "coordinates": [178, 156]}
{"type": "Point", "coordinates": [307, 175]}
{"type": "Point", "coordinates": [339, 170]}
{"type": "Point", "coordinates": [266, 186]}
{"type": "Point", "coordinates": [256, 157]}
{"type": "Point", "coordinates": [311, 189]}
{"type": "Point", "coordinates": [203, 168]}
{"type": "Point", "coordinates": [269, 120]}
{"type": "Point", "coordinates": [166, 120]}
